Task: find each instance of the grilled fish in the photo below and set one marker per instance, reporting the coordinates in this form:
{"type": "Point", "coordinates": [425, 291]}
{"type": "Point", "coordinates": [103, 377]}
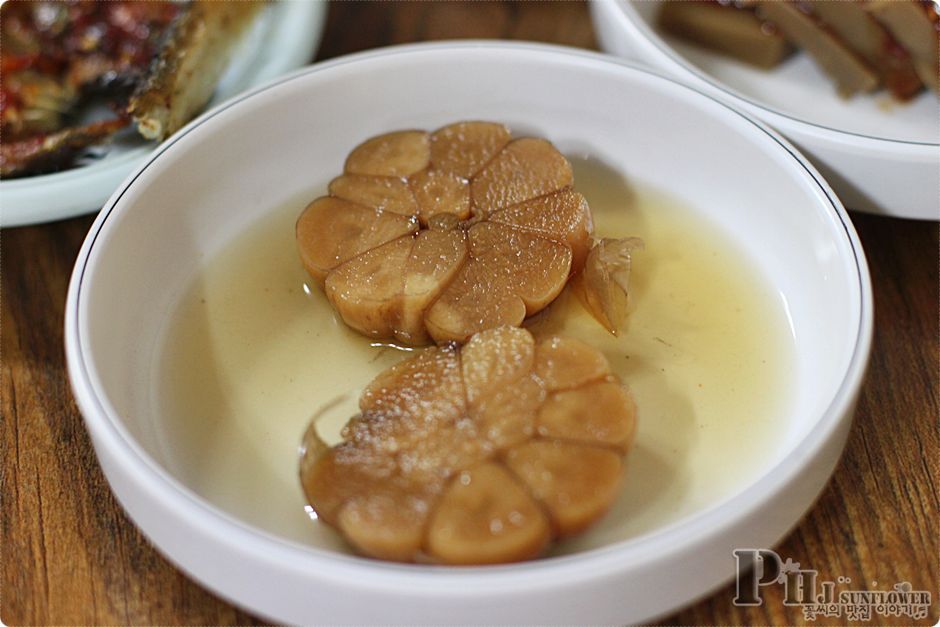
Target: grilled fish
{"type": "Point", "coordinates": [154, 64]}
{"type": "Point", "coordinates": [184, 75]}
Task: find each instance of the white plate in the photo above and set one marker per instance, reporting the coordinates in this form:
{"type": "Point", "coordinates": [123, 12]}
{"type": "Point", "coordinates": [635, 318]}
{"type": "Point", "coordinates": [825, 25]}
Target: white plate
{"type": "Point", "coordinates": [880, 156]}
{"type": "Point", "coordinates": [285, 38]}
{"type": "Point", "coordinates": [273, 149]}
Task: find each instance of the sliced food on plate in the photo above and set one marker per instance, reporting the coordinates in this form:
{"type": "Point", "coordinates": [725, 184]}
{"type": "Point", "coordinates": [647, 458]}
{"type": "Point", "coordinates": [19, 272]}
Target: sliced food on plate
{"type": "Point", "coordinates": [861, 45]}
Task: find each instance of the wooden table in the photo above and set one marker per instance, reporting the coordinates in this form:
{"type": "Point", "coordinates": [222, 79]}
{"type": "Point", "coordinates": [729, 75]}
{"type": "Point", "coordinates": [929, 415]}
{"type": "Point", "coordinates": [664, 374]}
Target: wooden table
{"type": "Point", "coordinates": [71, 556]}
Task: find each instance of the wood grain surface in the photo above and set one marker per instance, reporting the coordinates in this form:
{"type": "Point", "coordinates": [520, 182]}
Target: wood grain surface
{"type": "Point", "coordinates": [71, 556]}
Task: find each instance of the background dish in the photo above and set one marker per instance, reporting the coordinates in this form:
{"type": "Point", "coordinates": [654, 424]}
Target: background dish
{"type": "Point", "coordinates": [285, 38]}
{"type": "Point", "coordinates": [880, 156]}
{"type": "Point", "coordinates": [581, 100]}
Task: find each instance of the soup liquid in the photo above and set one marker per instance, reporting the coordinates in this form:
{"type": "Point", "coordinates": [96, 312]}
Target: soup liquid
{"type": "Point", "coordinates": [255, 350]}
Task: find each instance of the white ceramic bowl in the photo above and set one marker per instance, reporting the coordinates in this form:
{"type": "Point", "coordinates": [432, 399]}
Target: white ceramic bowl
{"type": "Point", "coordinates": [879, 156]}
{"type": "Point", "coordinates": [231, 166]}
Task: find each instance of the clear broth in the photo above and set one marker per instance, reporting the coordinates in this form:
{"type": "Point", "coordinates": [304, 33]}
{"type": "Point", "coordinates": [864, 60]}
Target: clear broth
{"type": "Point", "coordinates": [254, 351]}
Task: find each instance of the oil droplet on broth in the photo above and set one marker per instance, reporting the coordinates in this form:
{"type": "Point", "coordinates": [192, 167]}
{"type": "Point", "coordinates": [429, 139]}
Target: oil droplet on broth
{"type": "Point", "coordinates": [254, 351]}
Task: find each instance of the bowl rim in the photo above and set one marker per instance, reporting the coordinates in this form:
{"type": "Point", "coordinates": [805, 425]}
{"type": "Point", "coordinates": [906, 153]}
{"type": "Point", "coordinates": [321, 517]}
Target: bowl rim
{"type": "Point", "coordinates": [642, 29]}
{"type": "Point", "coordinates": [105, 424]}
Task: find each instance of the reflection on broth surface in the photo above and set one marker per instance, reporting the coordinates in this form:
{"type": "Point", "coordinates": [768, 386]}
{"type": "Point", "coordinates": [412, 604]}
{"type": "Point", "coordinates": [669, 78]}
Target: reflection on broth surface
{"type": "Point", "coordinates": [255, 350]}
